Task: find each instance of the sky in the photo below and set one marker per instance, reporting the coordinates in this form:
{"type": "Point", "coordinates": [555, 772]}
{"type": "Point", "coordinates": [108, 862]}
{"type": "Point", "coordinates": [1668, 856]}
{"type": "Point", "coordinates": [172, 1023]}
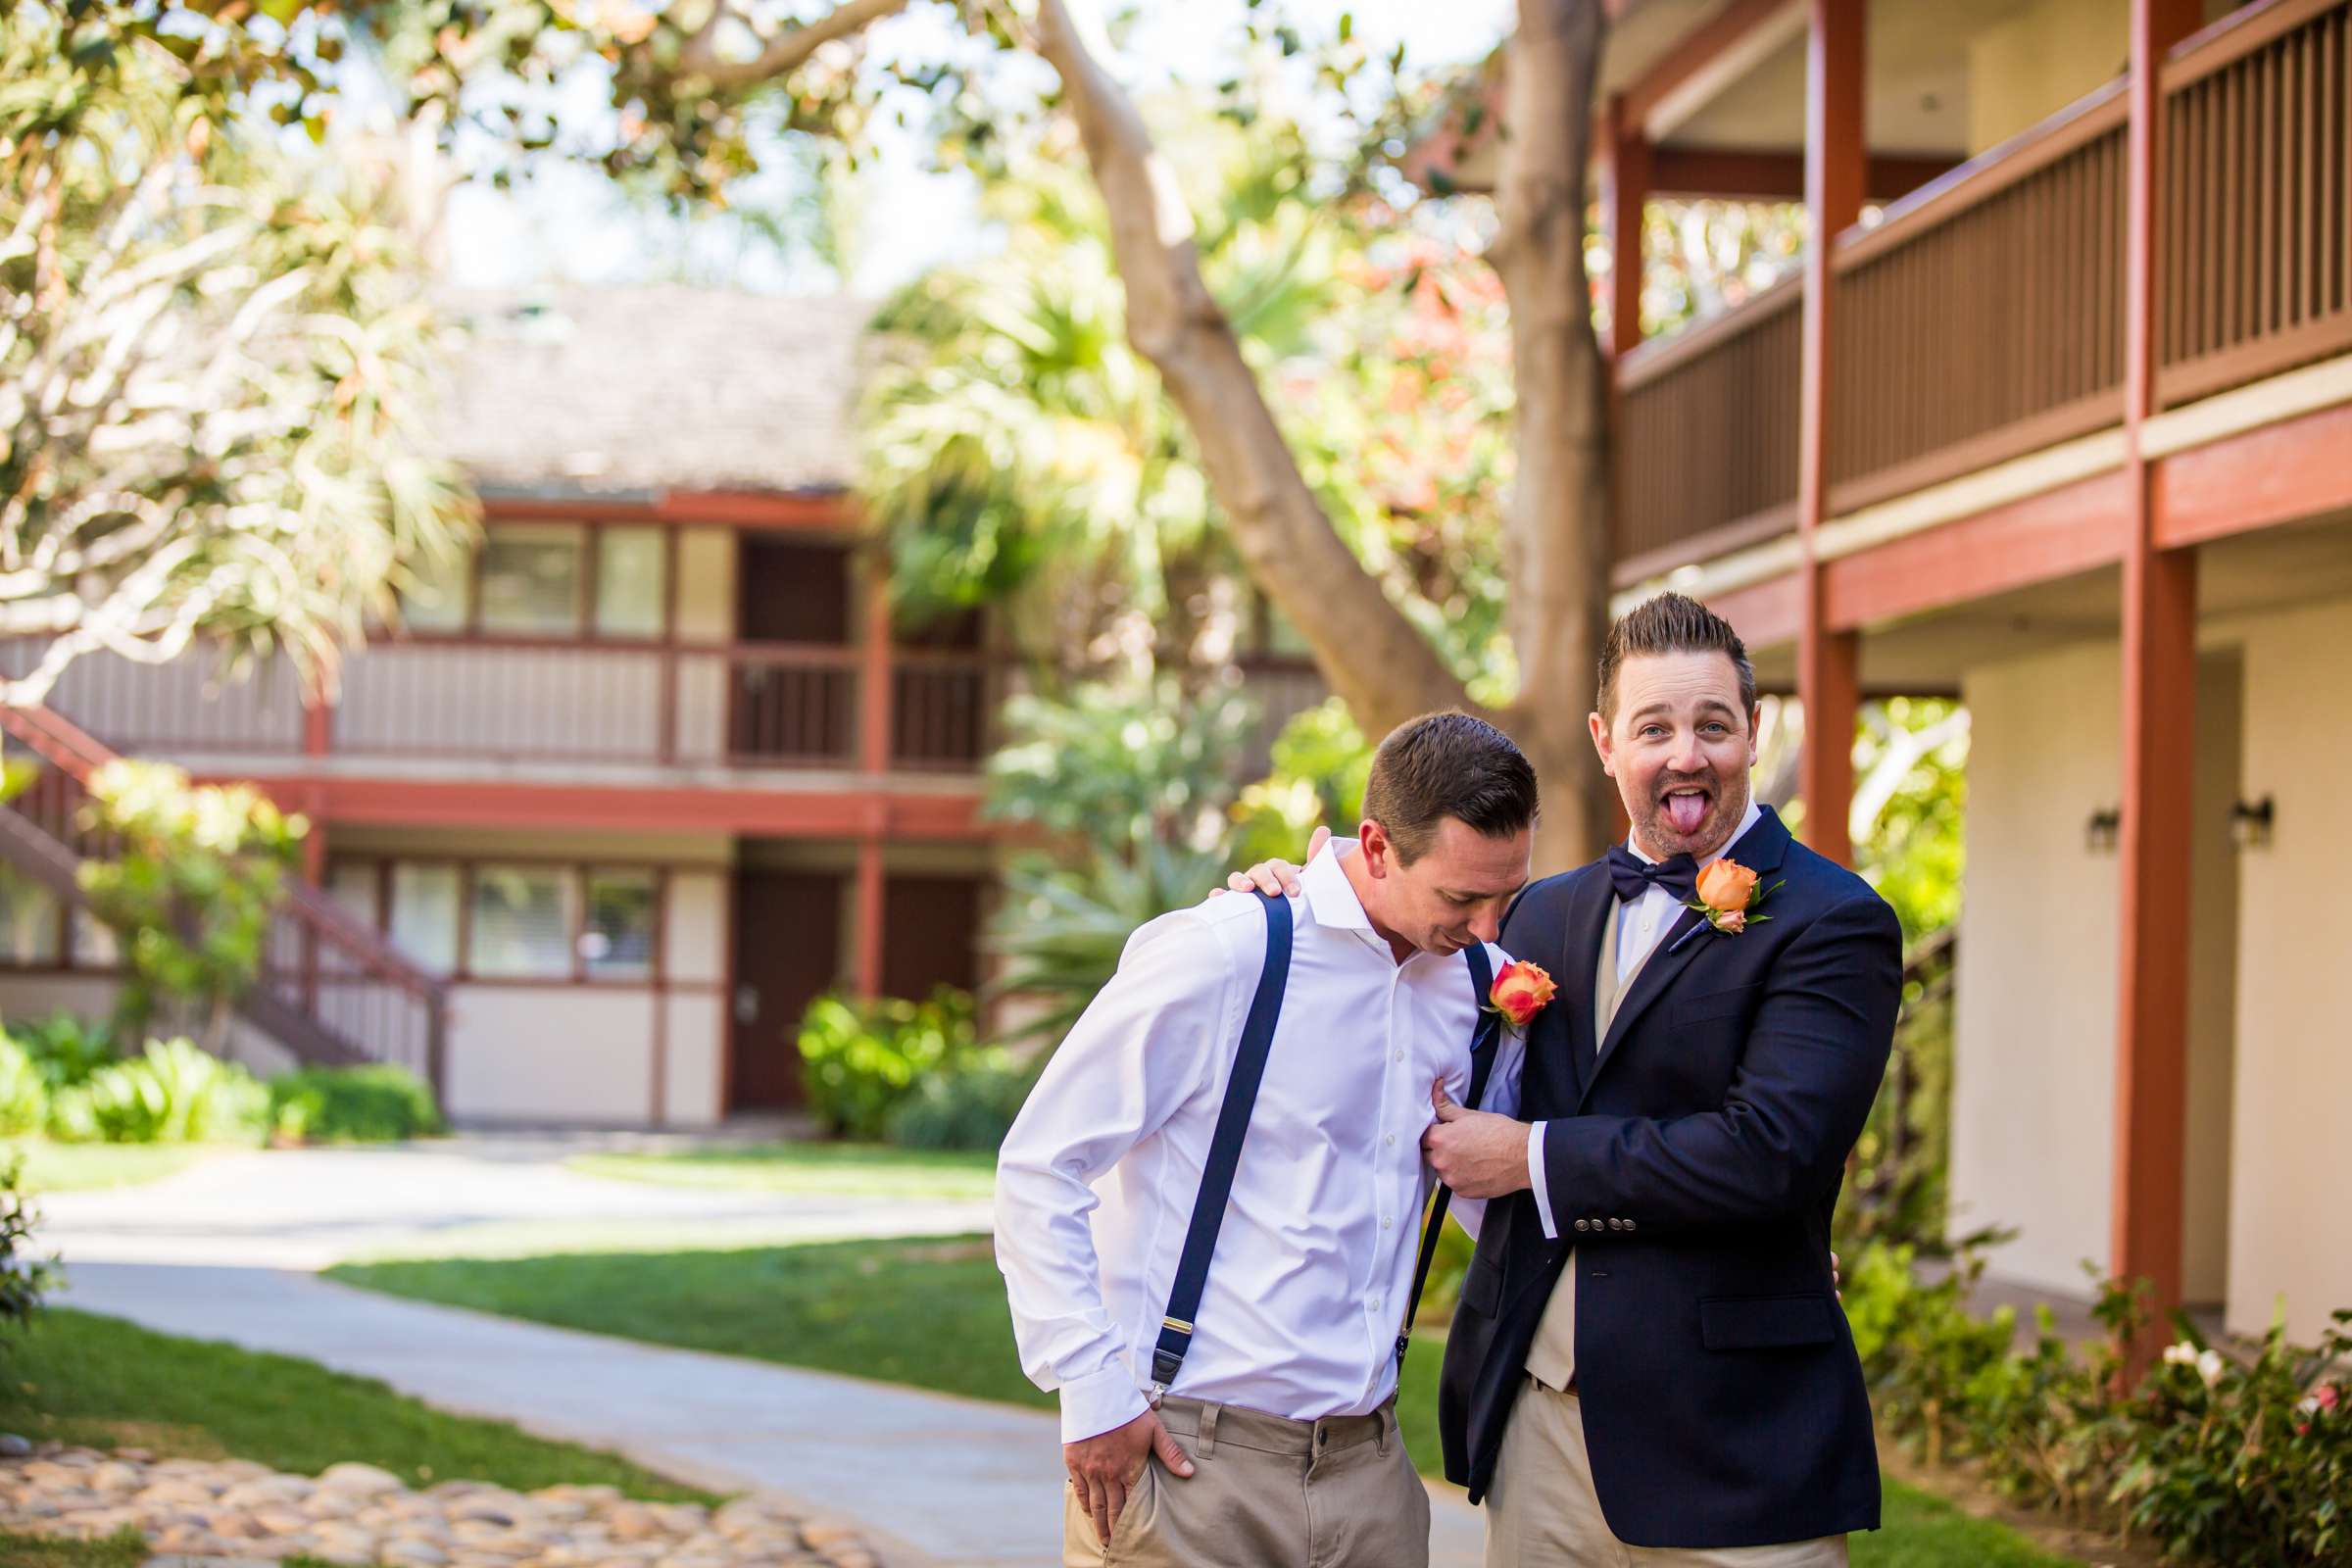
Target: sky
{"type": "Point", "coordinates": [567, 225]}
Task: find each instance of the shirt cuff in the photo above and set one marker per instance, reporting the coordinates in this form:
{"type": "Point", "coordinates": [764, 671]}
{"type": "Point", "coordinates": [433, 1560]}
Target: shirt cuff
{"type": "Point", "coordinates": [1100, 1402]}
{"type": "Point", "coordinates": [1535, 1180]}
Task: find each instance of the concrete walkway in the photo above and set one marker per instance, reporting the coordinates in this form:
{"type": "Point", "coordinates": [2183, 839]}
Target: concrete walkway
{"type": "Point", "coordinates": [222, 1252]}
{"type": "Point", "coordinates": [475, 1196]}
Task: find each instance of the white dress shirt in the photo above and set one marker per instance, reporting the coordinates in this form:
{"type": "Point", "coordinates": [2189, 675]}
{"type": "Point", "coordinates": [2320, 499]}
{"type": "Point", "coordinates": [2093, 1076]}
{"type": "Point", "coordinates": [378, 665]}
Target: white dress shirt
{"type": "Point", "coordinates": [1096, 1180]}
{"type": "Point", "coordinates": [1641, 925]}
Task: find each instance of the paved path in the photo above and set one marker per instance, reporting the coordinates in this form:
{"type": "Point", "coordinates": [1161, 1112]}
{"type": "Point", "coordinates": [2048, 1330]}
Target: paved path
{"type": "Point", "coordinates": [222, 1252]}
{"type": "Point", "coordinates": [479, 1196]}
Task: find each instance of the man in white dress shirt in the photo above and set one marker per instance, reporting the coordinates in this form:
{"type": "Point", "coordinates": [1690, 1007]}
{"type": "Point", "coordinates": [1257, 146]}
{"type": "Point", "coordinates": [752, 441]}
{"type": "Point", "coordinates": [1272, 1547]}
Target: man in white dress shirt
{"type": "Point", "coordinates": [1275, 1442]}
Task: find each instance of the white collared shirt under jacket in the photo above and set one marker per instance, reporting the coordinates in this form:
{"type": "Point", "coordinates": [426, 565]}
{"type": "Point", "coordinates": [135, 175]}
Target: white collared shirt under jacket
{"type": "Point", "coordinates": [1096, 1182]}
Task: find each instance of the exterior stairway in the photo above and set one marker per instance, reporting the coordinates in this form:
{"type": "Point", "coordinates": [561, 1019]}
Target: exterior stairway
{"type": "Point", "coordinates": [331, 991]}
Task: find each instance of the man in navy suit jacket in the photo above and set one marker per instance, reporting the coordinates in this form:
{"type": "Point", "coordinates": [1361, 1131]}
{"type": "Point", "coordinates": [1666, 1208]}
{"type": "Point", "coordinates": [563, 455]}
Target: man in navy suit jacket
{"type": "Point", "coordinates": [1649, 1350]}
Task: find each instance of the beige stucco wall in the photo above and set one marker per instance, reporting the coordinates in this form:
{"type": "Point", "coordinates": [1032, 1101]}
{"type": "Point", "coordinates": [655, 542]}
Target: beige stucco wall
{"type": "Point", "coordinates": [2034, 1094]}
{"type": "Point", "coordinates": [551, 1054]}
{"type": "Point", "coordinates": [696, 939]}
{"type": "Point", "coordinates": [2034, 1068]}
{"type": "Point", "coordinates": [2290, 1226]}
{"type": "Point", "coordinates": [697, 1049]}
{"type": "Point", "coordinates": [2036, 61]}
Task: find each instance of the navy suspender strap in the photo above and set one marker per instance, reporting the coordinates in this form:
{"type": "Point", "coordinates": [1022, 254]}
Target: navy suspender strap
{"type": "Point", "coordinates": [1485, 1033]}
{"type": "Point", "coordinates": [1224, 1151]}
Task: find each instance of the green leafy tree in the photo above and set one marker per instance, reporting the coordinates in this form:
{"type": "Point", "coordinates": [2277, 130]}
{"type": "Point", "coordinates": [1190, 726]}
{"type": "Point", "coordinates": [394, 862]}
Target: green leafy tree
{"type": "Point", "coordinates": [214, 362]}
{"type": "Point", "coordinates": [188, 888]}
{"type": "Point", "coordinates": [700, 86]}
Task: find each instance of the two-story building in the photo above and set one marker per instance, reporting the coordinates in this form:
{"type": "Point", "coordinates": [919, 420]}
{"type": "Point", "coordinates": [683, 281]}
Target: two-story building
{"type": "Point", "coordinates": [643, 774]}
{"type": "Point", "coordinates": [2058, 418]}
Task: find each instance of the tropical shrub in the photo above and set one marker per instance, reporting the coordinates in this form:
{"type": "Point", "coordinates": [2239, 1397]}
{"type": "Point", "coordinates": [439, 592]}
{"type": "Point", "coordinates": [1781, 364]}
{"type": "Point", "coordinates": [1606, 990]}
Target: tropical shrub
{"type": "Point", "coordinates": [23, 1277]}
{"type": "Point", "coordinates": [860, 1059]}
{"type": "Point", "coordinates": [66, 1049]}
{"type": "Point", "coordinates": [189, 890]}
{"type": "Point", "coordinates": [23, 1096]}
{"type": "Point", "coordinates": [173, 1092]}
{"type": "Point", "coordinates": [380, 1102]}
{"type": "Point", "coordinates": [1321, 761]}
{"type": "Point", "coordinates": [968, 1104]}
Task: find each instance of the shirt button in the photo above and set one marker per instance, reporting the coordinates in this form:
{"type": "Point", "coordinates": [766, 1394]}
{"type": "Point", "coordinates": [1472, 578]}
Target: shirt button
{"type": "Point", "coordinates": [1388, 1139]}
{"type": "Point", "coordinates": [1385, 1222]}
{"type": "Point", "coordinates": [1401, 1056]}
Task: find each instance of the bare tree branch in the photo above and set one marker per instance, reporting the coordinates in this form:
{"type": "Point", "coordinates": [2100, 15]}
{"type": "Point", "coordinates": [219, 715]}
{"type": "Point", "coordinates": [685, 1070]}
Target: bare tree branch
{"type": "Point", "coordinates": [1372, 655]}
{"type": "Point", "coordinates": [787, 51]}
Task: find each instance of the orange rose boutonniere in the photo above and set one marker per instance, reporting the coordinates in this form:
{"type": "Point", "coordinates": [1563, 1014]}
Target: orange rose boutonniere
{"type": "Point", "coordinates": [1519, 994]}
{"type": "Point", "coordinates": [1728, 896]}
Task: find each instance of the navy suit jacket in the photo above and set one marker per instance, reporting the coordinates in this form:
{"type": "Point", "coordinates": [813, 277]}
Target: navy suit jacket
{"type": "Point", "coordinates": [1693, 1165]}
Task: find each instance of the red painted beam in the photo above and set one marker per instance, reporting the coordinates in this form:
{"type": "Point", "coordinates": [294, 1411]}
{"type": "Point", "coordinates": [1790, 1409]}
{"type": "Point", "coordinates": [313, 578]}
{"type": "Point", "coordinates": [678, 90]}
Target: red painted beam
{"type": "Point", "coordinates": [2042, 538]}
{"type": "Point", "coordinates": [1765, 613]}
{"type": "Point", "coordinates": [1702, 48]}
{"type": "Point", "coordinates": [2147, 1200]}
{"type": "Point", "coordinates": [1828, 661]}
{"type": "Point", "coordinates": [1742, 173]}
{"type": "Point", "coordinates": [2281, 472]}
{"type": "Point", "coordinates": [821, 513]}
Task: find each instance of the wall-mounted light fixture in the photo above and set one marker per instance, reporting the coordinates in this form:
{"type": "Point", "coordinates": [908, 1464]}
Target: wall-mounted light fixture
{"type": "Point", "coordinates": [2100, 833]}
{"type": "Point", "coordinates": [2250, 823]}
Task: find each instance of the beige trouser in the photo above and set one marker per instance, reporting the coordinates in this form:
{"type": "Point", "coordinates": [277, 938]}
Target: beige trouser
{"type": "Point", "coordinates": [1541, 1511]}
{"type": "Point", "coordinates": [1265, 1493]}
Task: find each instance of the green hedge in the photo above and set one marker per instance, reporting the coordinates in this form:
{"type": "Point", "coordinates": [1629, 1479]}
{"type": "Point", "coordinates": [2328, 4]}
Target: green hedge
{"type": "Point", "coordinates": [375, 1104]}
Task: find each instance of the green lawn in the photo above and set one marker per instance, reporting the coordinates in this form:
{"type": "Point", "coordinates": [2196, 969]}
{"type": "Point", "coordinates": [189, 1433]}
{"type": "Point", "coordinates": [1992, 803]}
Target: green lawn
{"type": "Point", "coordinates": [80, 1167]}
{"type": "Point", "coordinates": [933, 1314]}
{"type": "Point", "coordinates": [101, 1382]}
{"type": "Point", "coordinates": [865, 1170]}
{"type": "Point", "coordinates": [126, 1551]}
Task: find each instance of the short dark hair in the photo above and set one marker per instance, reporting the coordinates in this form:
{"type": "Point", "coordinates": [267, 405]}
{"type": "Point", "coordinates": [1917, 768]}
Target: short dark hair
{"type": "Point", "coordinates": [1672, 623]}
{"type": "Point", "coordinates": [1447, 765]}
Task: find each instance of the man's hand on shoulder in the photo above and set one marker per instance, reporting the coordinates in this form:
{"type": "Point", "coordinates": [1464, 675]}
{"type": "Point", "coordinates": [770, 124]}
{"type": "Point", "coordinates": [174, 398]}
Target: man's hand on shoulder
{"type": "Point", "coordinates": [1105, 1466]}
{"type": "Point", "coordinates": [1275, 878]}
{"type": "Point", "coordinates": [1477, 1154]}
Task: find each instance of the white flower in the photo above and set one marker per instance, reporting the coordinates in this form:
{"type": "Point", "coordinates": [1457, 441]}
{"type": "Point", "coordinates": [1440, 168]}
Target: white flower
{"type": "Point", "coordinates": [2308, 1404]}
{"type": "Point", "coordinates": [2209, 1367]}
{"type": "Point", "coordinates": [2181, 1355]}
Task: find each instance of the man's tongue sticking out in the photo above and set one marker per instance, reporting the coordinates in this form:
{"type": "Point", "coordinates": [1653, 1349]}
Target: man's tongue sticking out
{"type": "Point", "coordinates": [1685, 811]}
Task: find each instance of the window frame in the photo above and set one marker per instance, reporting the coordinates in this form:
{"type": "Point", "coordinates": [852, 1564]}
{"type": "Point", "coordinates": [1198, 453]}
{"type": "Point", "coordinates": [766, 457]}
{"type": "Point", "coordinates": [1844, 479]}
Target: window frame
{"type": "Point", "coordinates": [583, 627]}
{"type": "Point", "coordinates": [575, 871]}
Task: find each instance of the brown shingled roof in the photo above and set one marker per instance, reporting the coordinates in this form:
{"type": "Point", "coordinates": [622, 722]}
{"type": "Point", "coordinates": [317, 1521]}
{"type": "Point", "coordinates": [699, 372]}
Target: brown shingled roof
{"type": "Point", "coordinates": [586, 390]}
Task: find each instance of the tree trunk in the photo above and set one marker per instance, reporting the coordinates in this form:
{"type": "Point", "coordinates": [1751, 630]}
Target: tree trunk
{"type": "Point", "coordinates": [1558, 532]}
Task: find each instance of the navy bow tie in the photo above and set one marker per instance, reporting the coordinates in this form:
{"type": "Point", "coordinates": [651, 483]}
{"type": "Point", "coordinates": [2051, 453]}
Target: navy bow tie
{"type": "Point", "coordinates": [1631, 876]}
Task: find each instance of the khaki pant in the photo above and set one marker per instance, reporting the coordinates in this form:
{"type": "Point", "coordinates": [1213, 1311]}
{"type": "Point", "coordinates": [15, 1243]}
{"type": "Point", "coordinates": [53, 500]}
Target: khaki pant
{"type": "Point", "coordinates": [1265, 1493]}
{"type": "Point", "coordinates": [1541, 1511]}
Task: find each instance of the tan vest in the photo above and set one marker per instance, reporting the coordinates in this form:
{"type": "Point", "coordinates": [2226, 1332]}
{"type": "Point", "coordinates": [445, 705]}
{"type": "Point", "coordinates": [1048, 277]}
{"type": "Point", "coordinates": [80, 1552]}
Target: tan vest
{"type": "Point", "coordinates": [1552, 1358]}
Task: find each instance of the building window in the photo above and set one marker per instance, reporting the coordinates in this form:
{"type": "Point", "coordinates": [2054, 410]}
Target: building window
{"type": "Point", "coordinates": [425, 915]}
{"type": "Point", "coordinates": [28, 924]}
{"type": "Point", "coordinates": [94, 944]}
{"type": "Point", "coordinates": [522, 922]}
{"type": "Point", "coordinates": [617, 943]}
{"type": "Point", "coordinates": [440, 596]}
{"type": "Point", "coordinates": [632, 584]}
{"type": "Point", "coordinates": [530, 577]}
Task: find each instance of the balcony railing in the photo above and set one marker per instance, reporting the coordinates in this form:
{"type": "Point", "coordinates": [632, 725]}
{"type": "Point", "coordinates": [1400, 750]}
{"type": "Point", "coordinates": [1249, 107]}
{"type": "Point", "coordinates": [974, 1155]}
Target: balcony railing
{"type": "Point", "coordinates": [1982, 316]}
{"type": "Point", "coordinates": [544, 701]}
{"type": "Point", "coordinates": [2255, 254]}
{"type": "Point", "coordinates": [1708, 436]}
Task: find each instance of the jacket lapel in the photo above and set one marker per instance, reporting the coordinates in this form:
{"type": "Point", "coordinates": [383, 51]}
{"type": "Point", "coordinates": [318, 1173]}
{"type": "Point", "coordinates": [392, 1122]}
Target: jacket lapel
{"type": "Point", "coordinates": [1761, 848]}
{"type": "Point", "coordinates": [1592, 905]}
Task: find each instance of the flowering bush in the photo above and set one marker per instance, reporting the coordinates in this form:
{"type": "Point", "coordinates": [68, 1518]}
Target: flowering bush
{"type": "Point", "coordinates": [2244, 1461]}
{"type": "Point", "coordinates": [2218, 1460]}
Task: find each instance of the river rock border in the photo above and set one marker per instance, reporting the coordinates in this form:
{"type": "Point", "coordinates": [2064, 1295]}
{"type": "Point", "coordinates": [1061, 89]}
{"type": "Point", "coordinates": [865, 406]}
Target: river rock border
{"type": "Point", "coordinates": [364, 1517]}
